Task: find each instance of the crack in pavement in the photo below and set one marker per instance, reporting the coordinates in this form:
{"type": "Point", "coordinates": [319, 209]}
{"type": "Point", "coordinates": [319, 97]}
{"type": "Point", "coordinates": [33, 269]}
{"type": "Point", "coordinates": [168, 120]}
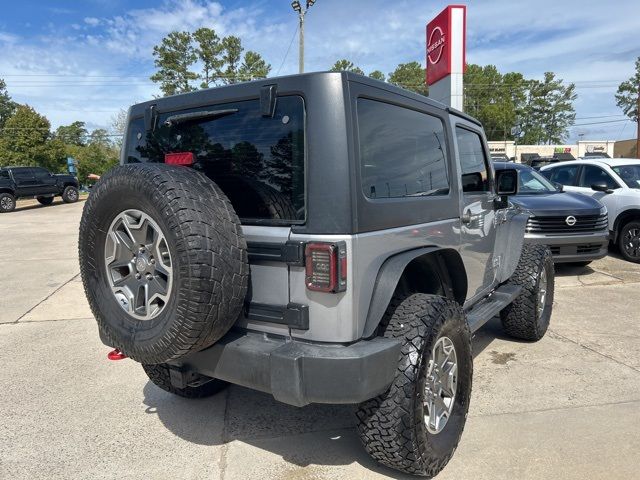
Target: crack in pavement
{"type": "Point", "coordinates": [44, 299]}
{"type": "Point", "coordinates": [27, 322]}
{"type": "Point", "coordinates": [555, 409]}
{"type": "Point", "coordinates": [586, 347]}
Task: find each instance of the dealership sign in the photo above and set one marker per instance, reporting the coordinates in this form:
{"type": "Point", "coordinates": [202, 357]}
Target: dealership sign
{"type": "Point", "coordinates": [446, 43]}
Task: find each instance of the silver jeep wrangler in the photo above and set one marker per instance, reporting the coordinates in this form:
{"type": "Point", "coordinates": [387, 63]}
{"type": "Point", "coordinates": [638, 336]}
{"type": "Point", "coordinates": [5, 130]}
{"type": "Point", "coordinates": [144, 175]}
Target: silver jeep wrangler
{"type": "Point", "coordinates": [324, 238]}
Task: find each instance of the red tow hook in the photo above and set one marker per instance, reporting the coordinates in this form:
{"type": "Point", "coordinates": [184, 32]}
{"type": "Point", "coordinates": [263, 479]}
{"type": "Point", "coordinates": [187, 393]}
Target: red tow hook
{"type": "Point", "coordinates": [116, 355]}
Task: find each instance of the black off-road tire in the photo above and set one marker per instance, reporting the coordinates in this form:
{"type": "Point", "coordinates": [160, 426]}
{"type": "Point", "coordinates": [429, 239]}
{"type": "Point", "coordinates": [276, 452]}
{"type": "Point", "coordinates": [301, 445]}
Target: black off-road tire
{"type": "Point", "coordinates": [70, 194]}
{"type": "Point", "coordinates": [634, 224]}
{"type": "Point", "coordinates": [521, 319]}
{"type": "Point", "coordinates": [208, 255]}
{"type": "Point", "coordinates": [392, 426]}
{"type": "Point", "coordinates": [45, 200]}
{"type": "Point", "coordinates": [159, 375]}
{"type": "Point", "coordinates": [7, 203]}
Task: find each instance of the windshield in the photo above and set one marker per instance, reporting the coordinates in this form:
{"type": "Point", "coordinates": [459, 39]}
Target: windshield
{"type": "Point", "coordinates": [531, 181]}
{"type": "Point", "coordinates": [630, 174]}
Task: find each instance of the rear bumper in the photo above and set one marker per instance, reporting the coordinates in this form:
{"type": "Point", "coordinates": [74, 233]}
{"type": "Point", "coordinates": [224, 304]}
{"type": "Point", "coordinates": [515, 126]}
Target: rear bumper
{"type": "Point", "coordinates": [299, 373]}
{"type": "Point", "coordinates": [573, 248]}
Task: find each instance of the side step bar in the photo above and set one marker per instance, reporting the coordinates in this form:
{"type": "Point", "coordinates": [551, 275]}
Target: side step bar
{"type": "Point", "coordinates": [492, 305]}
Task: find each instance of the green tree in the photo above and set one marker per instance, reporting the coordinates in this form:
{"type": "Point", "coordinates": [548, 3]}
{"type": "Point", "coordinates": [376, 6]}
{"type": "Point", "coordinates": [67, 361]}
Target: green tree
{"type": "Point", "coordinates": [221, 59]}
{"type": "Point", "coordinates": [411, 76]}
{"type": "Point", "coordinates": [627, 95]}
{"type": "Point", "coordinates": [25, 139]}
{"type": "Point", "coordinates": [495, 99]}
{"type": "Point", "coordinates": [377, 75]}
{"type": "Point", "coordinates": [253, 67]}
{"type": "Point", "coordinates": [548, 112]}
{"type": "Point", "coordinates": [173, 58]}
{"type": "Point", "coordinates": [74, 134]}
{"type": "Point", "coordinates": [209, 49]}
{"type": "Point", "coordinates": [345, 65]}
{"type": "Point", "coordinates": [7, 106]}
{"type": "Point", "coordinates": [98, 155]}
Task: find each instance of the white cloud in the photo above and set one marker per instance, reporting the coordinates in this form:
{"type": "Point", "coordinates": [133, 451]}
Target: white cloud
{"type": "Point", "coordinates": [109, 58]}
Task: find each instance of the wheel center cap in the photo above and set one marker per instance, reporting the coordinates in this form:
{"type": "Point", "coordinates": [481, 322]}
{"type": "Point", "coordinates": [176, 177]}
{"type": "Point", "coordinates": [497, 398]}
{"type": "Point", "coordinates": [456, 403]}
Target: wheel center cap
{"type": "Point", "coordinates": [141, 264]}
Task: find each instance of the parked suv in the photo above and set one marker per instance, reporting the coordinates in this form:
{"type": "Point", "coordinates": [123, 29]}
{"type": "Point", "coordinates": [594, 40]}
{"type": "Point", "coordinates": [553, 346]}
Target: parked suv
{"type": "Point", "coordinates": [38, 182]}
{"type": "Point", "coordinates": [325, 238]}
{"type": "Point", "coordinates": [574, 226]}
{"type": "Point", "coordinates": [615, 182]}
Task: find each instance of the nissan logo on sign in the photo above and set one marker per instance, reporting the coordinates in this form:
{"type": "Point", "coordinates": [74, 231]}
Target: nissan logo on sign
{"type": "Point", "coordinates": [445, 43]}
{"type": "Point", "coordinates": [571, 220]}
{"type": "Point", "coordinates": [435, 45]}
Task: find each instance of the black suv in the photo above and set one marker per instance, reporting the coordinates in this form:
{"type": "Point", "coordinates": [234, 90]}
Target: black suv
{"type": "Point", "coordinates": [38, 182]}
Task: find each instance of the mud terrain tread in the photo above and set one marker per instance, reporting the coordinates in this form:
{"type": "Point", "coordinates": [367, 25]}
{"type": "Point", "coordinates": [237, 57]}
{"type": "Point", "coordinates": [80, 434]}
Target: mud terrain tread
{"type": "Point", "coordinates": [389, 426]}
{"type": "Point", "coordinates": [520, 318]}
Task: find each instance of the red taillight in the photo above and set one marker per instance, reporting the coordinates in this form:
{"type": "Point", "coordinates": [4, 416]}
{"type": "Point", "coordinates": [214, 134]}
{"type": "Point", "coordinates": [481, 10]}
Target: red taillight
{"type": "Point", "coordinates": [326, 266]}
{"type": "Point", "coordinates": [179, 158]}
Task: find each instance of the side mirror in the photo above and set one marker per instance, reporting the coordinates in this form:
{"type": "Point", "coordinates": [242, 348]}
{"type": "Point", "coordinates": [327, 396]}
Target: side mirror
{"type": "Point", "coordinates": [559, 186]}
{"type": "Point", "coordinates": [601, 187]}
{"type": "Point", "coordinates": [507, 181]}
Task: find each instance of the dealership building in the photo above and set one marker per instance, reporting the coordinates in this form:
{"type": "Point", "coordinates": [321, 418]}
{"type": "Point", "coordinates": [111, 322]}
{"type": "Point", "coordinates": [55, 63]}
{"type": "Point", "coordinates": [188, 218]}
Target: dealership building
{"type": "Point", "coordinates": [581, 149]}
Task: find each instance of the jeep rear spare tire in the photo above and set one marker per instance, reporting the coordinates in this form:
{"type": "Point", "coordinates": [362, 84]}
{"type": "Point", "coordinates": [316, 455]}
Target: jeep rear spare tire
{"type": "Point", "coordinates": [163, 261]}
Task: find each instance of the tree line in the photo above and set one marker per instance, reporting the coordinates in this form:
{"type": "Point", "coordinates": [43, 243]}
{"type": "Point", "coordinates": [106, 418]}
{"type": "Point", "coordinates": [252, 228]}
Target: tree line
{"type": "Point", "coordinates": [26, 139]}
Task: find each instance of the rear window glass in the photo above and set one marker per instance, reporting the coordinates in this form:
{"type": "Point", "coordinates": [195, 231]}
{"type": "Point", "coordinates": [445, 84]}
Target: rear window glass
{"type": "Point", "coordinates": [257, 161]}
{"type": "Point", "coordinates": [402, 152]}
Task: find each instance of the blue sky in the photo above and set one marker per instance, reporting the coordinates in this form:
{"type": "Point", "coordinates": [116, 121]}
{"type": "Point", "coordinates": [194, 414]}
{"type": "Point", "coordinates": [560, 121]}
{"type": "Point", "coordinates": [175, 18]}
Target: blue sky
{"type": "Point", "coordinates": [74, 60]}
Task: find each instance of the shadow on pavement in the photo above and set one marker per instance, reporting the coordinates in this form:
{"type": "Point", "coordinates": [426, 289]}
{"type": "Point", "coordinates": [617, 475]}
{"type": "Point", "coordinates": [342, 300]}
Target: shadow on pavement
{"type": "Point", "coordinates": [257, 419]}
{"type": "Point", "coordinates": [311, 435]}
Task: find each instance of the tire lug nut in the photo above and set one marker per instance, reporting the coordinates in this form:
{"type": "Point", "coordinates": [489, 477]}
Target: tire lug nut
{"type": "Point", "coordinates": [152, 261]}
{"type": "Point", "coordinates": [138, 276]}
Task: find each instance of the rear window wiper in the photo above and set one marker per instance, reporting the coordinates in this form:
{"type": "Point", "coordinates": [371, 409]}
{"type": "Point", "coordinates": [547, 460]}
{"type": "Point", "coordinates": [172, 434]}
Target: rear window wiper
{"type": "Point", "coordinates": [193, 116]}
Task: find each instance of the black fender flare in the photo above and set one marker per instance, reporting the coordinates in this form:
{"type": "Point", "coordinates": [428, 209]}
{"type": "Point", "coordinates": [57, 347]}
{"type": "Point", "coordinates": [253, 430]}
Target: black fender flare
{"type": "Point", "coordinates": [391, 271]}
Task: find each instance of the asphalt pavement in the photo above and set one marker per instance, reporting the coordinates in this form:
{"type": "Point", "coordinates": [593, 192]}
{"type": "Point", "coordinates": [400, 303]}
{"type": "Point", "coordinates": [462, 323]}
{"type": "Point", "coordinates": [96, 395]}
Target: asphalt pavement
{"type": "Point", "coordinates": [567, 407]}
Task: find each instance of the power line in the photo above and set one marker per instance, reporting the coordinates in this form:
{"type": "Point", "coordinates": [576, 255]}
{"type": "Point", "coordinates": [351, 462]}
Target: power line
{"type": "Point", "coordinates": [293, 37]}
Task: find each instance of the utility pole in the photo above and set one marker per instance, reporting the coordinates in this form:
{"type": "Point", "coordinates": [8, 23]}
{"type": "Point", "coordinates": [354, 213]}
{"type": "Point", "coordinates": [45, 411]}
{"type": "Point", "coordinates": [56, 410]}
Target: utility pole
{"type": "Point", "coordinates": [301, 14]}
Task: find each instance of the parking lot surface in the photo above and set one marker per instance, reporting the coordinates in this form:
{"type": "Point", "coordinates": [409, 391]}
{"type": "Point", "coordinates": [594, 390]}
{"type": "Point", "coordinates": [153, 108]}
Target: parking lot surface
{"type": "Point", "coordinates": [566, 407]}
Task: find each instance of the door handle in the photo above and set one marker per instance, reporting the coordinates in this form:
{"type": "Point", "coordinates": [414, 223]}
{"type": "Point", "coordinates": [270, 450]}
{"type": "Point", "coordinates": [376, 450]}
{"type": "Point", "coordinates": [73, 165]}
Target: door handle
{"type": "Point", "coordinates": [466, 217]}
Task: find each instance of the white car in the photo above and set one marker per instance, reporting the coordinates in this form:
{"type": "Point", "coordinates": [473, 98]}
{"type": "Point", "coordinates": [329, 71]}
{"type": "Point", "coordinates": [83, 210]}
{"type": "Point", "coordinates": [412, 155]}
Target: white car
{"type": "Point", "coordinates": [615, 182]}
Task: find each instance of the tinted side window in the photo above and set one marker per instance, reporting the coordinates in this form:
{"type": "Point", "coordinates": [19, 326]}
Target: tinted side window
{"type": "Point", "coordinates": [41, 173]}
{"type": "Point", "coordinates": [22, 173]}
{"type": "Point", "coordinates": [592, 175]}
{"type": "Point", "coordinates": [402, 152]}
{"type": "Point", "coordinates": [4, 174]}
{"type": "Point", "coordinates": [473, 162]}
{"type": "Point", "coordinates": [563, 175]}
{"type": "Point", "coordinates": [257, 161]}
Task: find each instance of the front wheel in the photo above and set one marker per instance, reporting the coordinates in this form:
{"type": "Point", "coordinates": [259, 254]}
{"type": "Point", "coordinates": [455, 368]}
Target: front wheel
{"type": "Point", "coordinates": [70, 194]}
{"type": "Point", "coordinates": [629, 241]}
{"type": "Point", "coordinates": [45, 200]}
{"type": "Point", "coordinates": [160, 376]}
{"type": "Point", "coordinates": [528, 316]}
{"type": "Point", "coordinates": [416, 425]}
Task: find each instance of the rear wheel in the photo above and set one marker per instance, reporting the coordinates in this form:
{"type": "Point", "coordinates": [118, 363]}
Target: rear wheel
{"type": "Point", "coordinates": [45, 200]}
{"type": "Point", "coordinates": [629, 241]}
{"type": "Point", "coordinates": [70, 194]}
{"type": "Point", "coordinates": [161, 377]}
{"type": "Point", "coordinates": [416, 425]}
{"type": "Point", "coordinates": [7, 202]}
